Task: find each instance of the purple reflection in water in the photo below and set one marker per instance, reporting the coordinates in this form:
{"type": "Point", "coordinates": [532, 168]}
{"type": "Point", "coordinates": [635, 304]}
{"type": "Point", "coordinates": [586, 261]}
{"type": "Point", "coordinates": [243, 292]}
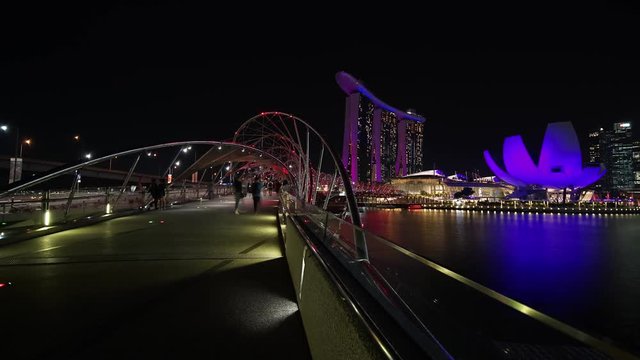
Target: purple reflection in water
{"type": "Point", "coordinates": [581, 269]}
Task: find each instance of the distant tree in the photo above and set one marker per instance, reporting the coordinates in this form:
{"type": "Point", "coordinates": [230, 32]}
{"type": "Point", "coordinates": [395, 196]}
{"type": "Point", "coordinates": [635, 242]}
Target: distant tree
{"type": "Point", "coordinates": [465, 193]}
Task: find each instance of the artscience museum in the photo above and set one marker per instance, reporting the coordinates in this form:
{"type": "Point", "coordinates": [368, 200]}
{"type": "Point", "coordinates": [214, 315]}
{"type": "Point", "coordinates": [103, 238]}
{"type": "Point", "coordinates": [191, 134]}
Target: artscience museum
{"type": "Point", "coordinates": [559, 166]}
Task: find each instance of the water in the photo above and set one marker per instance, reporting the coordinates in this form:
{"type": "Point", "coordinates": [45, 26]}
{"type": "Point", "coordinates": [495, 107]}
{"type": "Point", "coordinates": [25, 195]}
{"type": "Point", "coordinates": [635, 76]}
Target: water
{"type": "Point", "coordinates": [581, 269]}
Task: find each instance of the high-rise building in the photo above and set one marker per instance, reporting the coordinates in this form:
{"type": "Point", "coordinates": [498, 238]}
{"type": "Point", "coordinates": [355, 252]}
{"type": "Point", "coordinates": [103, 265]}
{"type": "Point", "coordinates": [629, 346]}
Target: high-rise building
{"type": "Point", "coordinates": [365, 137]}
{"type": "Point", "coordinates": [388, 144]}
{"type": "Point", "coordinates": [414, 146]}
{"type": "Point", "coordinates": [621, 157]}
{"type": "Point", "coordinates": [593, 155]}
{"type": "Point", "coordinates": [635, 154]}
{"type": "Point", "coordinates": [593, 147]}
{"type": "Point", "coordinates": [380, 141]}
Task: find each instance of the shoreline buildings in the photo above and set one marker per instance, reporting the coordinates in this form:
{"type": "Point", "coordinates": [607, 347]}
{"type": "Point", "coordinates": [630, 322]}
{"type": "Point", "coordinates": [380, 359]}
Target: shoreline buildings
{"type": "Point", "coordinates": [380, 142]}
{"type": "Point", "coordinates": [620, 154]}
{"type": "Point", "coordinates": [437, 186]}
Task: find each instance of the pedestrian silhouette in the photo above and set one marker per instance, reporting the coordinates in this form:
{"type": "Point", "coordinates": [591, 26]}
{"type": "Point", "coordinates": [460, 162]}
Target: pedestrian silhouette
{"type": "Point", "coordinates": [162, 189]}
{"type": "Point", "coordinates": [153, 191]}
{"type": "Point", "coordinates": [256, 191]}
{"type": "Point", "coordinates": [238, 193]}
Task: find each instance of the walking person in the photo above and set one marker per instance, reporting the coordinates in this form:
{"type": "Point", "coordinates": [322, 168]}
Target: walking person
{"type": "Point", "coordinates": [256, 191]}
{"type": "Point", "coordinates": [162, 189]}
{"type": "Point", "coordinates": [153, 191]}
{"type": "Point", "coordinates": [276, 186]}
{"type": "Point", "coordinates": [238, 193]}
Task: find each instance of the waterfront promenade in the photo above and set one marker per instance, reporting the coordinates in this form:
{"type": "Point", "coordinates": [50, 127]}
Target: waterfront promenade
{"type": "Point", "coordinates": [192, 281]}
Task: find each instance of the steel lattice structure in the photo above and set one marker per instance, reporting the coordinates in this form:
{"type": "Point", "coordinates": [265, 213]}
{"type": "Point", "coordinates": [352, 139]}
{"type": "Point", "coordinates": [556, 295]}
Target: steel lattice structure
{"type": "Point", "coordinates": [307, 156]}
{"type": "Point", "coordinates": [281, 142]}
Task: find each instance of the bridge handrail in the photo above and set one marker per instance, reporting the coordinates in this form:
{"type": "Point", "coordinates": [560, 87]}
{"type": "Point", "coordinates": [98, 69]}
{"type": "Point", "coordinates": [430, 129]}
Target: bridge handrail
{"type": "Point", "coordinates": [26, 205]}
{"type": "Point", "coordinates": [505, 323]}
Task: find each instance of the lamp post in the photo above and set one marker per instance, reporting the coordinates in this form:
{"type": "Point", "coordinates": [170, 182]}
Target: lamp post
{"type": "Point", "coordinates": [18, 154]}
{"type": "Point", "coordinates": [26, 141]}
{"type": "Point", "coordinates": [16, 176]}
{"type": "Point", "coordinates": [12, 162]}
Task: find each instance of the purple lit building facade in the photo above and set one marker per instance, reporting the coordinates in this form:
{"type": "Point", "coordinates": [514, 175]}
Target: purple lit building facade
{"type": "Point", "coordinates": [380, 142]}
{"type": "Point", "coordinates": [559, 166]}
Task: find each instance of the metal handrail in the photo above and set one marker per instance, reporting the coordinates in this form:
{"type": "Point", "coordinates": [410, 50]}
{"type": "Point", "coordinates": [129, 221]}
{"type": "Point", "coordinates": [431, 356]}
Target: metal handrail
{"type": "Point", "coordinates": [378, 332]}
{"type": "Point", "coordinates": [392, 297]}
{"type": "Point", "coordinates": [73, 168]}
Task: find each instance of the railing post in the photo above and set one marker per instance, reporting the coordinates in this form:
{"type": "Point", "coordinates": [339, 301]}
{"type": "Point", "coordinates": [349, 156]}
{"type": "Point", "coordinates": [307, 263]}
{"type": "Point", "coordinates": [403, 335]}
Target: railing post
{"type": "Point", "coordinates": [72, 193]}
{"type": "Point", "coordinates": [362, 253]}
{"type": "Point", "coordinates": [333, 182]}
{"type": "Point", "coordinates": [126, 180]}
{"type": "Point", "coordinates": [315, 188]}
{"type": "Point", "coordinates": [45, 208]}
{"type": "Point", "coordinates": [107, 203]}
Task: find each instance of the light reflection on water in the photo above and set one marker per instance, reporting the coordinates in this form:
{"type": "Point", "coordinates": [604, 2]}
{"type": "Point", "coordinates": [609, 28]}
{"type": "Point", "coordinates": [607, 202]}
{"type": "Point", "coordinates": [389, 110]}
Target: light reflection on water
{"type": "Point", "coordinates": [582, 269]}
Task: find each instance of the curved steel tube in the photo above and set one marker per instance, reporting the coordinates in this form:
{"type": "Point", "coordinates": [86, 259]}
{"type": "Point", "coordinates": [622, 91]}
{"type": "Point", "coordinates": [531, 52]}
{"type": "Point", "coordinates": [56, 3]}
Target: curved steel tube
{"type": "Point", "coordinates": [129, 152]}
{"type": "Point", "coordinates": [351, 199]}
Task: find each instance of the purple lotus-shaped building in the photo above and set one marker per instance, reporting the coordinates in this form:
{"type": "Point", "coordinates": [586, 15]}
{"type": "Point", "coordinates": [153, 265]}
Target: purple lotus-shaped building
{"type": "Point", "coordinates": [559, 166]}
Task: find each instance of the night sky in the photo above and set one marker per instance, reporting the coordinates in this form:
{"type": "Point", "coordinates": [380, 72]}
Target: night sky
{"type": "Point", "coordinates": [124, 76]}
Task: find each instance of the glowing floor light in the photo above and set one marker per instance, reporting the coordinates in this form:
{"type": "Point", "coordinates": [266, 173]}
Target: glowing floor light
{"type": "Point", "coordinates": [47, 218]}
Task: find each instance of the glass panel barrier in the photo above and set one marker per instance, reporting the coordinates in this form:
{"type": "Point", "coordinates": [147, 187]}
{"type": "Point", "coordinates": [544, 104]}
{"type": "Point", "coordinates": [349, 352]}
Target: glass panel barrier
{"type": "Point", "coordinates": [466, 318]}
{"type": "Point", "coordinates": [100, 188]}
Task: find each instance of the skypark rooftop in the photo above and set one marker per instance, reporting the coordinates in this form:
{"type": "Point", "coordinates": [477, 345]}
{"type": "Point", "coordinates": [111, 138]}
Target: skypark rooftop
{"type": "Point", "coordinates": [350, 85]}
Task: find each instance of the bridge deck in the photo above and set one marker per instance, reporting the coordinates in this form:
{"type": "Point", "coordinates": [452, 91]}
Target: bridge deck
{"type": "Point", "coordinates": [195, 280]}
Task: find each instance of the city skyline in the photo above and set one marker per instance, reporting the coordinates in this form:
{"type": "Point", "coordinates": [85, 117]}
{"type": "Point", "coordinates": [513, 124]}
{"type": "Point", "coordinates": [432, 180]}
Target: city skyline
{"type": "Point", "coordinates": [182, 180]}
{"type": "Point", "coordinates": [121, 77]}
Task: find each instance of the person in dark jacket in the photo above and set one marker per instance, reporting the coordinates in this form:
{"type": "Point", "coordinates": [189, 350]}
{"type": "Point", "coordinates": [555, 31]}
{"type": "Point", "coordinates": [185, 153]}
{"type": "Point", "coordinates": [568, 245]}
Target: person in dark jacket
{"type": "Point", "coordinates": [153, 191]}
{"type": "Point", "coordinates": [256, 191]}
{"type": "Point", "coordinates": [238, 193]}
{"type": "Point", "coordinates": [162, 194]}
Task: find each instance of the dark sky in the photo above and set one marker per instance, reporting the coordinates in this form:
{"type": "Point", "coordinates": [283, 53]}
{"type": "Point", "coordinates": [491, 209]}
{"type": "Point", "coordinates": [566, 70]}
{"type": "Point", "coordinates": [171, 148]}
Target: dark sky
{"type": "Point", "coordinates": [137, 74]}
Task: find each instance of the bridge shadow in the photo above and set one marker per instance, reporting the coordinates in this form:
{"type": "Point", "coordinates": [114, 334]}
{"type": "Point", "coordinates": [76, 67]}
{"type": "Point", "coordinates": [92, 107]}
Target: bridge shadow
{"type": "Point", "coordinates": [237, 308]}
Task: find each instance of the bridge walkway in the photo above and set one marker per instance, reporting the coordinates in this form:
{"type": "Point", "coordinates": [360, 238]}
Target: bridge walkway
{"type": "Point", "coordinates": [191, 281]}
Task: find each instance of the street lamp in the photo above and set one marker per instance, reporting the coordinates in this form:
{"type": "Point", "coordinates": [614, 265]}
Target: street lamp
{"type": "Point", "coordinates": [88, 156]}
{"type": "Point", "coordinates": [14, 161]}
{"type": "Point", "coordinates": [26, 141]}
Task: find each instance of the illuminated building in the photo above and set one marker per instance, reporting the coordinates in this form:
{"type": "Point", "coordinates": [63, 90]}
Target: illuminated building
{"type": "Point", "coordinates": [593, 151]}
{"type": "Point", "coordinates": [388, 144]}
{"type": "Point", "coordinates": [593, 155]}
{"type": "Point", "coordinates": [617, 151]}
{"type": "Point", "coordinates": [434, 184]}
{"type": "Point", "coordinates": [414, 146]}
{"type": "Point", "coordinates": [636, 165]}
{"type": "Point", "coordinates": [380, 141]}
{"type": "Point", "coordinates": [559, 166]}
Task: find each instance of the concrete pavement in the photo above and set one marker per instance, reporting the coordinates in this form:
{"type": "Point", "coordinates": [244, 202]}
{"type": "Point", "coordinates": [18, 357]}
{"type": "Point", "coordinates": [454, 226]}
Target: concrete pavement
{"type": "Point", "coordinates": [192, 281]}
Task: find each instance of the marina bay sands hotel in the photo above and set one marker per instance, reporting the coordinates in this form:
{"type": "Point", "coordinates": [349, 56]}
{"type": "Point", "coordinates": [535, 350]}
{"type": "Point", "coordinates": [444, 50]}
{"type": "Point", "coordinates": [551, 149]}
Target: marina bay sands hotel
{"type": "Point", "coordinates": [380, 141]}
